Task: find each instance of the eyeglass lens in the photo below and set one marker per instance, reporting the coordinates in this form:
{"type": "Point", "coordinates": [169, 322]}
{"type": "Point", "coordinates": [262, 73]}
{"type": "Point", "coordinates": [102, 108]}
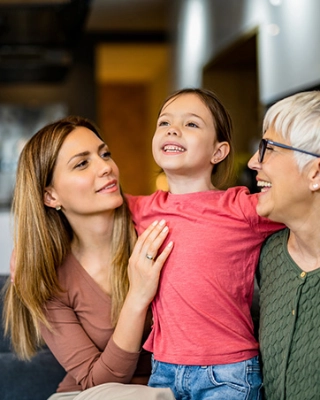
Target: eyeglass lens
{"type": "Point", "coordinates": [262, 149]}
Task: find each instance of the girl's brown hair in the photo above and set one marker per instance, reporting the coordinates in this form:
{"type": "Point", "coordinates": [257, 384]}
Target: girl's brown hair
{"type": "Point", "coordinates": [42, 239]}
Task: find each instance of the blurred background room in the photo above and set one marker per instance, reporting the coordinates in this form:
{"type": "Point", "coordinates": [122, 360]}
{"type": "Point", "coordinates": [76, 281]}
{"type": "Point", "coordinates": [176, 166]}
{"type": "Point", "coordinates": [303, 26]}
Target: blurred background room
{"type": "Point", "coordinates": [114, 61]}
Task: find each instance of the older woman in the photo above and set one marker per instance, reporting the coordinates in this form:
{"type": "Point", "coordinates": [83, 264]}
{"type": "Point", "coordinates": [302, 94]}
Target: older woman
{"type": "Point", "coordinates": [288, 172]}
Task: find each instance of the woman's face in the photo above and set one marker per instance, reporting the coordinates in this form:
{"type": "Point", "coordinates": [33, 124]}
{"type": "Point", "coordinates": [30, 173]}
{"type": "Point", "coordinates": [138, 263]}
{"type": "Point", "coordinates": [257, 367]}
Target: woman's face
{"type": "Point", "coordinates": [284, 189]}
{"type": "Point", "coordinates": [185, 140]}
{"type": "Point", "coordinates": [85, 179]}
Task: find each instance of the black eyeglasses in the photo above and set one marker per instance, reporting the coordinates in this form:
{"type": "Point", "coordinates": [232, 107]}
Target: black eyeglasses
{"type": "Point", "coordinates": [264, 144]}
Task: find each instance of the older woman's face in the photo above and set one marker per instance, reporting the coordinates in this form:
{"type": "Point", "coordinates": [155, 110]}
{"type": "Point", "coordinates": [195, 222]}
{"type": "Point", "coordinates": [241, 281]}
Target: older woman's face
{"type": "Point", "coordinates": [284, 189]}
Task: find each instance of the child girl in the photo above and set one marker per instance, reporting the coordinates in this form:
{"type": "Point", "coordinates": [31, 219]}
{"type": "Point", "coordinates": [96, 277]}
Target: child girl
{"type": "Point", "coordinates": [202, 339]}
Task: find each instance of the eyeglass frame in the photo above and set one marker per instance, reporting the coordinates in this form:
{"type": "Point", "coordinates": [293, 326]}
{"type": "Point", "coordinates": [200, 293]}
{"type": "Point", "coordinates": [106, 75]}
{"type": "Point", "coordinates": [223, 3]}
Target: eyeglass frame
{"type": "Point", "coordinates": [264, 143]}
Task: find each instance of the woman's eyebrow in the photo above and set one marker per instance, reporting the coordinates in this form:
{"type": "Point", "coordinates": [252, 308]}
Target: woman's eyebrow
{"type": "Point", "coordinates": [86, 153]}
{"type": "Point", "coordinates": [82, 154]}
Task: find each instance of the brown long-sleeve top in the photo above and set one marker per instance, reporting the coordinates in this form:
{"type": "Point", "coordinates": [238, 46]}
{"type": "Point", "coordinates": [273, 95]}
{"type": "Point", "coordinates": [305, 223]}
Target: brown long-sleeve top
{"type": "Point", "coordinates": [82, 338]}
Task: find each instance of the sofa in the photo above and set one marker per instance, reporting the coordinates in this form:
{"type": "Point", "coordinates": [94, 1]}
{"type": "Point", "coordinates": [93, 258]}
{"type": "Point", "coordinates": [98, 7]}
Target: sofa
{"type": "Point", "coordinates": [26, 380]}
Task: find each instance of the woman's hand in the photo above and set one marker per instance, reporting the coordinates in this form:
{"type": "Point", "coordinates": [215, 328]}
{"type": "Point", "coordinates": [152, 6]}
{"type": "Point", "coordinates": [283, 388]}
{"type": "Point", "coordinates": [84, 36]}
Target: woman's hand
{"type": "Point", "coordinates": [144, 273]}
{"type": "Point", "coordinates": [145, 263]}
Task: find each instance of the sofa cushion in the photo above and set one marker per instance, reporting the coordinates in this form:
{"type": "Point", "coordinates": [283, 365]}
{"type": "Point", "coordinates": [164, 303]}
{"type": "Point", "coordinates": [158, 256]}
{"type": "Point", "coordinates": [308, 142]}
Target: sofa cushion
{"type": "Point", "coordinates": [29, 380]}
{"type": "Point", "coordinates": [26, 380]}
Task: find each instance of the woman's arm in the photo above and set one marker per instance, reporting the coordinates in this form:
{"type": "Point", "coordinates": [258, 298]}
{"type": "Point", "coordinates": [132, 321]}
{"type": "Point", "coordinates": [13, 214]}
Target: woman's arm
{"type": "Point", "coordinates": [83, 344]}
{"type": "Point", "coordinates": [144, 279]}
{"type": "Point", "coordinates": [113, 355]}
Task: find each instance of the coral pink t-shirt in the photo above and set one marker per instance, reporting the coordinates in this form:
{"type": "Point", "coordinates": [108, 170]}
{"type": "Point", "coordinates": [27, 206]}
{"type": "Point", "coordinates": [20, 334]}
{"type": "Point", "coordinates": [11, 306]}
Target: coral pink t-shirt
{"type": "Point", "coordinates": [202, 309]}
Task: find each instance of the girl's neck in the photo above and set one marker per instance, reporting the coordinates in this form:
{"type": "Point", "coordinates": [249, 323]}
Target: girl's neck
{"type": "Point", "coordinates": [183, 185]}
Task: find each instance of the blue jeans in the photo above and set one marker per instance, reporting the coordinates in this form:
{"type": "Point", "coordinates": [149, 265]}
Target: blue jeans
{"type": "Point", "coordinates": [238, 381]}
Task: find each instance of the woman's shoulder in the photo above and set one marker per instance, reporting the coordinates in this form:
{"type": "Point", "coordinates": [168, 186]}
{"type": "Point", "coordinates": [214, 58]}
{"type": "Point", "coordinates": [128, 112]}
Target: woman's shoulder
{"type": "Point", "coordinates": [69, 275]}
{"type": "Point", "coordinates": [275, 240]}
{"type": "Point", "coordinates": [68, 268]}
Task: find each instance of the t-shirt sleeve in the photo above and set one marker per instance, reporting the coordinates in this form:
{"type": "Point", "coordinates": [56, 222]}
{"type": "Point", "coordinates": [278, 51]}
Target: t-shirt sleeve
{"type": "Point", "coordinates": [136, 205]}
{"type": "Point", "coordinates": [79, 356]}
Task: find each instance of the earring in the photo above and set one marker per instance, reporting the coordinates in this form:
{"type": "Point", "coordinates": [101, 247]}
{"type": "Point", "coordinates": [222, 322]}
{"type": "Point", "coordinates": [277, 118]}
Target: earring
{"type": "Point", "coordinates": [58, 208]}
{"type": "Point", "coordinates": [315, 186]}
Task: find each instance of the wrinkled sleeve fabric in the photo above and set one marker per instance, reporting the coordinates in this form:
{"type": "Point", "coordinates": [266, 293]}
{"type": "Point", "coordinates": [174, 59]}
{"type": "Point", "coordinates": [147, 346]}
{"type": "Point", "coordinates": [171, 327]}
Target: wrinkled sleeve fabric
{"type": "Point", "coordinates": [247, 204]}
{"type": "Point", "coordinates": [81, 335]}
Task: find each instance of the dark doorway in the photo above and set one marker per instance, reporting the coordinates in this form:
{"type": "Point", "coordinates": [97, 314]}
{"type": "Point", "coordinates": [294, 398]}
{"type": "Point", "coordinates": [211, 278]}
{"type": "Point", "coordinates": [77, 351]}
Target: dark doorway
{"type": "Point", "coordinates": [233, 75]}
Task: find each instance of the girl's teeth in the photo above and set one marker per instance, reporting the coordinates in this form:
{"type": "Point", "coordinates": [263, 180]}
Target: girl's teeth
{"type": "Point", "coordinates": [173, 148]}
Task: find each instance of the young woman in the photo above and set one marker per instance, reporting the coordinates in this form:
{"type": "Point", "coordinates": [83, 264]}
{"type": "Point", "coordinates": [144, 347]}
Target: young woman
{"type": "Point", "coordinates": [78, 281]}
{"type": "Point", "coordinates": [288, 173]}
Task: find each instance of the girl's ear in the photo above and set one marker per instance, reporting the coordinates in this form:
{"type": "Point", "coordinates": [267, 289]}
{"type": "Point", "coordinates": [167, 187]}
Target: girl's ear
{"type": "Point", "coordinates": [221, 152]}
{"type": "Point", "coordinates": [49, 197]}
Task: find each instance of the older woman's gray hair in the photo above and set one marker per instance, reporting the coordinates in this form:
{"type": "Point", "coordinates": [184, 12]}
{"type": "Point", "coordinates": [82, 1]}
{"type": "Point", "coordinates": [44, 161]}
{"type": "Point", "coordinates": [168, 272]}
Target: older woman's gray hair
{"type": "Point", "coordinates": [297, 119]}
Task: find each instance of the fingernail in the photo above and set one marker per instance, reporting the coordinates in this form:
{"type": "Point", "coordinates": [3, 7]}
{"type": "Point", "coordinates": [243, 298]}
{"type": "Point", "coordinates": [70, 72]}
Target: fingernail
{"type": "Point", "coordinates": [165, 229]}
{"type": "Point", "coordinates": [170, 244]}
{"type": "Point", "coordinates": [162, 222]}
{"type": "Point", "coordinates": [154, 223]}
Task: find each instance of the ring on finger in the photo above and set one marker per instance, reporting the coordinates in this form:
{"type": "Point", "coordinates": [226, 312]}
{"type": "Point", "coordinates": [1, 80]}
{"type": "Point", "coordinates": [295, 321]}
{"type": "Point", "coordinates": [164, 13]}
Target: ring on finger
{"type": "Point", "coordinates": [149, 257]}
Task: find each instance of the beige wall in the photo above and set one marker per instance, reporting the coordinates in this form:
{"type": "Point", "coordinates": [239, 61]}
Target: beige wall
{"type": "Point", "coordinates": [132, 82]}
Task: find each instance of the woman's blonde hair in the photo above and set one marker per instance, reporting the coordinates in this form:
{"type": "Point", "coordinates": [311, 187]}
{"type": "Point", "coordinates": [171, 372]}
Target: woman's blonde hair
{"type": "Point", "coordinates": [42, 238]}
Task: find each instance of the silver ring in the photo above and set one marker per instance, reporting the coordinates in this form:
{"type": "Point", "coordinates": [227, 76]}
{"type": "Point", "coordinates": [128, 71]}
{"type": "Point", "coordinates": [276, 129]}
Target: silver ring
{"type": "Point", "coordinates": [149, 257]}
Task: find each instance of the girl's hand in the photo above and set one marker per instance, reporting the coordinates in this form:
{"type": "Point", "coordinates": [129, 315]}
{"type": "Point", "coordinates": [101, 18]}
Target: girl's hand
{"type": "Point", "coordinates": [145, 263]}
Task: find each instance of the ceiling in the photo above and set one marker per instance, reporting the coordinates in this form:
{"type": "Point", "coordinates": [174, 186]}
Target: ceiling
{"type": "Point", "coordinates": [38, 37]}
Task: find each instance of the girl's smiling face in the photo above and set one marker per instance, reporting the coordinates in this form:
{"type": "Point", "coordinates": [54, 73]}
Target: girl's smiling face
{"type": "Point", "coordinates": [185, 141]}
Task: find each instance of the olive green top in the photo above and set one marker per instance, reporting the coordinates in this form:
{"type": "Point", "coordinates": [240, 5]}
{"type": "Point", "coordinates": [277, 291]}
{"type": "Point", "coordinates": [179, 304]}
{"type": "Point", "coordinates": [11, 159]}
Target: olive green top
{"type": "Point", "coordinates": [289, 324]}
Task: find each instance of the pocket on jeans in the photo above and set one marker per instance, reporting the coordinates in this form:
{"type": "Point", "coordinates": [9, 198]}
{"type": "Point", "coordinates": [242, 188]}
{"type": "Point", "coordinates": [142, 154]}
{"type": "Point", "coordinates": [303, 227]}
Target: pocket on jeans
{"type": "Point", "coordinates": [243, 378]}
{"type": "Point", "coordinates": [219, 376]}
